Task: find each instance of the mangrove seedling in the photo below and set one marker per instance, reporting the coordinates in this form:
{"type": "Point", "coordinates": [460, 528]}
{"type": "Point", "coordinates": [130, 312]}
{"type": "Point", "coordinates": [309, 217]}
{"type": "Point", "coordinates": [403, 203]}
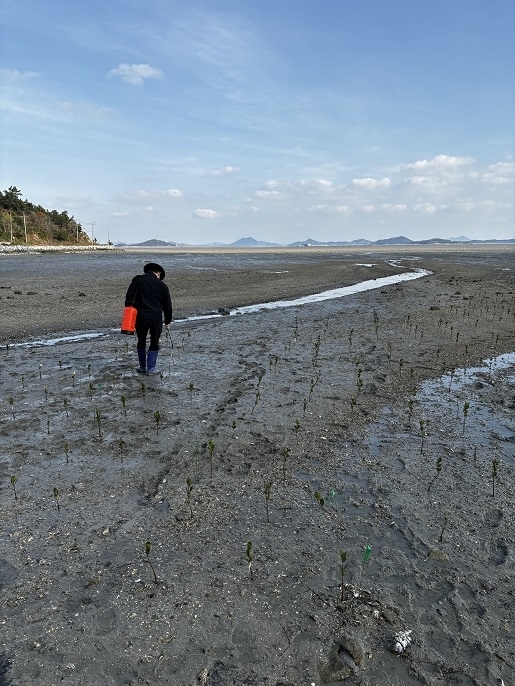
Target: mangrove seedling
{"type": "Point", "coordinates": [249, 554]}
{"type": "Point", "coordinates": [438, 470]}
{"type": "Point", "coordinates": [211, 449]}
{"type": "Point", "coordinates": [233, 425]}
{"type": "Point", "coordinates": [121, 446]}
{"type": "Point", "coordinates": [46, 395]}
{"type": "Point", "coordinates": [350, 338]}
{"type": "Point", "coordinates": [285, 451]}
{"type": "Point", "coordinates": [66, 450]}
{"type": "Point", "coordinates": [320, 500]}
{"type": "Point", "coordinates": [367, 551]}
{"type": "Point", "coordinates": [11, 403]}
{"type": "Point", "coordinates": [89, 371]}
{"type": "Point", "coordinates": [157, 419]}
{"type": "Point", "coordinates": [401, 363]}
{"type": "Point", "coordinates": [359, 381]}
{"type": "Point", "coordinates": [143, 388]}
{"type": "Point", "coordinates": [256, 400]}
{"type": "Point", "coordinates": [296, 428]}
{"type": "Point", "coordinates": [98, 420]}
{"type": "Point", "coordinates": [73, 378]}
{"type": "Point", "coordinates": [466, 407]}
{"type": "Point", "coordinates": [91, 390]}
{"type": "Point", "coordinates": [60, 364]}
{"type": "Point", "coordinates": [191, 388]}
{"type": "Point", "coordinates": [189, 488]}
{"type": "Point", "coordinates": [65, 403]}
{"type": "Point", "coordinates": [23, 382]}
{"type": "Point", "coordinates": [48, 426]}
{"type": "Point", "coordinates": [411, 402]}
{"type": "Point", "coordinates": [124, 400]}
{"type": "Point", "coordinates": [342, 567]}
{"type": "Point", "coordinates": [147, 553]}
{"type": "Point", "coordinates": [40, 371]}
{"type": "Point", "coordinates": [304, 406]}
{"type": "Point", "coordinates": [353, 402]}
{"type": "Point", "coordinates": [376, 324]}
{"type": "Point", "coordinates": [267, 489]}
{"type": "Point", "coordinates": [445, 519]}
{"type": "Point", "coordinates": [13, 484]}
{"type": "Point", "coordinates": [495, 469]}
{"type": "Point", "coordinates": [56, 498]}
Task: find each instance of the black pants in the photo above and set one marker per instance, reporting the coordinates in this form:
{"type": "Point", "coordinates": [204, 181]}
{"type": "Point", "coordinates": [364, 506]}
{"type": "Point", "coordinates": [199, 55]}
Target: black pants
{"type": "Point", "coordinates": [143, 327]}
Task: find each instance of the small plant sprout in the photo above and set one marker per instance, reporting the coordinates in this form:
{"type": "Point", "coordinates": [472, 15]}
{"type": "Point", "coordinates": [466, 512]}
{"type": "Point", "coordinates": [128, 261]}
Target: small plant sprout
{"type": "Point", "coordinates": [91, 386]}
{"type": "Point", "coordinates": [342, 567]}
{"type": "Point", "coordinates": [40, 371]}
{"type": "Point", "coordinates": [304, 406]}
{"type": "Point", "coordinates": [211, 450]}
{"type": "Point", "coordinates": [66, 450]}
{"type": "Point", "coordinates": [438, 470]}
{"type": "Point", "coordinates": [466, 407]}
{"type": "Point", "coordinates": [191, 388]}
{"type": "Point", "coordinates": [124, 400]}
{"type": "Point", "coordinates": [48, 426]}
{"type": "Point", "coordinates": [65, 403]}
{"type": "Point", "coordinates": [359, 381]}
{"type": "Point", "coordinates": [296, 428]}
{"type": "Point", "coordinates": [495, 470]}
{"type": "Point", "coordinates": [353, 402]}
{"type": "Point", "coordinates": [73, 378]}
{"type": "Point", "coordinates": [23, 382]}
{"type": "Point", "coordinates": [11, 403]}
{"type": "Point", "coordinates": [13, 484]}
{"type": "Point", "coordinates": [350, 338]}
{"type": "Point", "coordinates": [285, 451]}
{"type": "Point", "coordinates": [56, 498]}
{"type": "Point", "coordinates": [256, 400]}
{"type": "Point", "coordinates": [411, 403]}
{"type": "Point", "coordinates": [233, 425]}
{"type": "Point", "coordinates": [46, 395]}
{"type": "Point", "coordinates": [148, 548]}
{"type": "Point", "coordinates": [143, 388]}
{"type": "Point", "coordinates": [249, 554]}
{"type": "Point", "coordinates": [121, 447]}
{"type": "Point", "coordinates": [320, 500]}
{"type": "Point", "coordinates": [267, 490]}
{"type": "Point", "coordinates": [89, 371]}
{"type": "Point", "coordinates": [401, 364]}
{"type": "Point", "coordinates": [98, 420]}
{"type": "Point", "coordinates": [367, 552]}
{"type": "Point", "coordinates": [60, 364]}
{"type": "Point", "coordinates": [376, 324]}
{"type": "Point", "coordinates": [157, 419]}
{"type": "Point", "coordinates": [189, 489]}
{"type": "Point", "coordinates": [444, 525]}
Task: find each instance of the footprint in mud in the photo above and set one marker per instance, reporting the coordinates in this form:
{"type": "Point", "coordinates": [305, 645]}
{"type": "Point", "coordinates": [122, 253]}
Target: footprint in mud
{"type": "Point", "coordinates": [498, 552]}
{"type": "Point", "coordinates": [493, 518]}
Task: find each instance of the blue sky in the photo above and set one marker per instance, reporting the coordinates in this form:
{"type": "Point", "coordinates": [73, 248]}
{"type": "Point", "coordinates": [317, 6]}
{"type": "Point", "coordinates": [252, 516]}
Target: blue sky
{"type": "Point", "coordinates": [209, 120]}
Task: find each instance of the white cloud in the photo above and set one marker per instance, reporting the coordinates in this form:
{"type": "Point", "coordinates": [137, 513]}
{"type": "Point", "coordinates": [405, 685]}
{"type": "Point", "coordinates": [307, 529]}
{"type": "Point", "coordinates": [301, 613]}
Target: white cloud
{"type": "Point", "coordinates": [16, 75]}
{"type": "Point", "coordinates": [438, 163]}
{"type": "Point", "coordinates": [330, 209]}
{"type": "Point", "coordinates": [119, 214]}
{"type": "Point", "coordinates": [371, 184]}
{"type": "Point", "coordinates": [148, 208]}
{"type": "Point", "coordinates": [136, 73]}
{"type": "Point", "coordinates": [205, 214]}
{"type": "Point", "coordinates": [391, 207]}
{"type": "Point", "coordinates": [224, 171]}
{"type": "Point", "coordinates": [428, 207]}
{"type": "Point", "coordinates": [143, 193]}
{"type": "Point", "coordinates": [174, 193]}
{"type": "Point", "coordinates": [267, 194]}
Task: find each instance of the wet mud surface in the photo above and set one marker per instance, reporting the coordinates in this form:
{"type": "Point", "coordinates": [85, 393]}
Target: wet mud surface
{"type": "Point", "coordinates": [305, 431]}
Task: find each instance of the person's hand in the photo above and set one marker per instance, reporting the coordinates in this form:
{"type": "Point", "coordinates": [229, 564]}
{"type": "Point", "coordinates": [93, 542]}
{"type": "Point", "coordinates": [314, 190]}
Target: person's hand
{"type": "Point", "coordinates": [167, 327]}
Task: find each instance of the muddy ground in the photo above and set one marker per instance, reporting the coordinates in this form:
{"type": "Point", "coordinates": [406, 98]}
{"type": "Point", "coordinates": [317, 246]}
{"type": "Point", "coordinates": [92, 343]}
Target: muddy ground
{"type": "Point", "coordinates": [306, 431]}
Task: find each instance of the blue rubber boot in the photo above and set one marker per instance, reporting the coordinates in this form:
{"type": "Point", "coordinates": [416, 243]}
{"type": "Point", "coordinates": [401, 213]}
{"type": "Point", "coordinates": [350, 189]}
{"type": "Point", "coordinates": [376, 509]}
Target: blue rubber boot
{"type": "Point", "coordinates": [142, 357]}
{"type": "Point", "coordinates": [151, 362]}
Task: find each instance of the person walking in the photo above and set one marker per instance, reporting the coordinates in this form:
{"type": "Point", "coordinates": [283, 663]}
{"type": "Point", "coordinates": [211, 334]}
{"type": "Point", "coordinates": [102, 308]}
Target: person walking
{"type": "Point", "coordinates": [151, 297]}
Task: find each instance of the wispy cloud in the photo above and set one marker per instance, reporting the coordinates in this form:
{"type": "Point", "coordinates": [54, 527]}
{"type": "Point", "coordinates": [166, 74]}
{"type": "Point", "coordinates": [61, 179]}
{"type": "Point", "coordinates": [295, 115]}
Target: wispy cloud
{"type": "Point", "coordinates": [16, 75]}
{"type": "Point", "coordinates": [224, 171]}
{"type": "Point", "coordinates": [136, 74]}
{"type": "Point", "coordinates": [205, 214]}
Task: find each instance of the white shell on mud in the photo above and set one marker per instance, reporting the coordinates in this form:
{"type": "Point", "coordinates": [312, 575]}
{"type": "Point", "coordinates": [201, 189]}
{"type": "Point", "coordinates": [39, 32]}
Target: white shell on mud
{"type": "Point", "coordinates": [402, 641]}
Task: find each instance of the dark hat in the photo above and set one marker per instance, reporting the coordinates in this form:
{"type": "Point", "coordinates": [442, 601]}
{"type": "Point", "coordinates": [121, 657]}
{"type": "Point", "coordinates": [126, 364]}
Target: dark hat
{"type": "Point", "coordinates": [153, 267]}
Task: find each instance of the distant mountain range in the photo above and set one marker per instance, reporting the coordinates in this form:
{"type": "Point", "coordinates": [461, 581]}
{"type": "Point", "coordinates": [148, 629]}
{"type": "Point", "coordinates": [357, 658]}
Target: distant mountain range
{"type": "Point", "coordinates": [250, 242]}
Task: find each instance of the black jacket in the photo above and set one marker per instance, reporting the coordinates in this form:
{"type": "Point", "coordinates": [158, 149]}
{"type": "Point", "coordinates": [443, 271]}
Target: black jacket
{"type": "Point", "coordinates": [151, 297]}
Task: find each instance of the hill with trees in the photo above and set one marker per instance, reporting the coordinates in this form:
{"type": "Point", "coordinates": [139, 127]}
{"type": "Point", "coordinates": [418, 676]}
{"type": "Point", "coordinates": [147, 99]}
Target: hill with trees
{"type": "Point", "coordinates": [23, 222]}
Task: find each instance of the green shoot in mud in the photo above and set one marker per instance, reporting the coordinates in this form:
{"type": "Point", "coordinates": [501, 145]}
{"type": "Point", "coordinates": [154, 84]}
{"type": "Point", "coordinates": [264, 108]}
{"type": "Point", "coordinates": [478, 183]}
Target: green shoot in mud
{"type": "Point", "coordinates": [46, 395]}
{"type": "Point", "coordinates": [211, 450]}
{"type": "Point", "coordinates": [124, 401]}
{"type": "Point", "coordinates": [438, 470]}
{"type": "Point", "coordinates": [233, 425]}
{"type": "Point", "coordinates": [256, 400]}
{"type": "Point", "coordinates": [56, 498]}
{"type": "Point", "coordinates": [304, 406]}
{"type": "Point", "coordinates": [23, 382]}
{"type": "Point", "coordinates": [48, 426]}
{"type": "Point", "coordinates": [296, 429]}
{"type": "Point", "coordinates": [121, 446]}
{"type": "Point", "coordinates": [319, 498]}
{"type": "Point", "coordinates": [376, 324]}
{"type": "Point", "coordinates": [495, 471]}
{"type": "Point", "coordinates": [73, 378]}
{"type": "Point", "coordinates": [401, 364]}
{"type": "Point", "coordinates": [359, 380]}
{"type": "Point", "coordinates": [350, 338]}
{"type": "Point", "coordinates": [367, 552]}
{"type": "Point", "coordinates": [91, 386]}
{"type": "Point", "coordinates": [11, 403]}
{"type": "Point", "coordinates": [98, 420]}
{"type": "Point", "coordinates": [353, 402]}
{"type": "Point", "coordinates": [189, 489]}
{"type": "Point", "coordinates": [148, 548]}
{"type": "Point", "coordinates": [89, 371]}
{"type": "Point", "coordinates": [466, 407]}
{"type": "Point", "coordinates": [14, 479]}
{"type": "Point", "coordinates": [267, 491]}
{"type": "Point", "coordinates": [143, 388]}
{"type": "Point", "coordinates": [157, 419]}
{"type": "Point", "coordinates": [65, 403]}
{"type": "Point", "coordinates": [66, 450]}
{"type": "Point", "coordinates": [60, 364]}
{"type": "Point", "coordinates": [411, 403]}
{"type": "Point", "coordinates": [285, 451]}
{"type": "Point", "coordinates": [249, 554]}
{"type": "Point", "coordinates": [40, 371]}
{"type": "Point", "coordinates": [342, 567]}
{"type": "Point", "coordinates": [191, 388]}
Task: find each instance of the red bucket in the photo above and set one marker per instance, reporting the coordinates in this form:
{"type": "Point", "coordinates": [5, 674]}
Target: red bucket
{"type": "Point", "coordinates": [128, 325]}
